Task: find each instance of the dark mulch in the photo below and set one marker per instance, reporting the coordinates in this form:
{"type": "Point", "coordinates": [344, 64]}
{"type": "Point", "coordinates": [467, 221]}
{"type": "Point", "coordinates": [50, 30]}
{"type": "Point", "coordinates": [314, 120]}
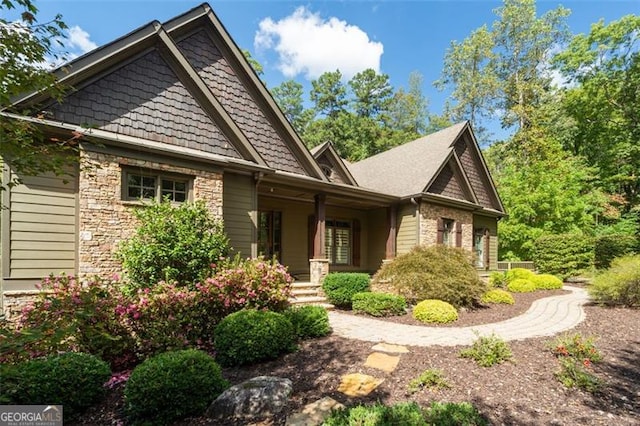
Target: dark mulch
{"type": "Point", "coordinates": [521, 393]}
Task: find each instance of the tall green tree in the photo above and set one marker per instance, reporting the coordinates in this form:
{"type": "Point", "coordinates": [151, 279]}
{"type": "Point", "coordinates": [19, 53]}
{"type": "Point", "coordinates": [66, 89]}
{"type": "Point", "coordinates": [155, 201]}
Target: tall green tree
{"type": "Point", "coordinates": [329, 94]}
{"type": "Point", "coordinates": [409, 109]}
{"type": "Point", "coordinates": [289, 97]}
{"type": "Point", "coordinates": [372, 93]}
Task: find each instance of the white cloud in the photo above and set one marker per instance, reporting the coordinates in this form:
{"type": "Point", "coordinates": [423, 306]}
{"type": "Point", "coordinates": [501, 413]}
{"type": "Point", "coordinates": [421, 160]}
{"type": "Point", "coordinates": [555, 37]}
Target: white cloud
{"type": "Point", "coordinates": [79, 39]}
{"type": "Point", "coordinates": [310, 45]}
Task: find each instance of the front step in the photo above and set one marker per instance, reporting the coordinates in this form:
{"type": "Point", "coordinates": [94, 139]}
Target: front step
{"type": "Point", "coordinates": [306, 293]}
{"type": "Point", "coordinates": [311, 300]}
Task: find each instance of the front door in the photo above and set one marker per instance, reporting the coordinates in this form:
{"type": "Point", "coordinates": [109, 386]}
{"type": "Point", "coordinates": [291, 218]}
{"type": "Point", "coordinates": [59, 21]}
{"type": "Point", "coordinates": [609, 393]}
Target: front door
{"type": "Point", "coordinates": [270, 234]}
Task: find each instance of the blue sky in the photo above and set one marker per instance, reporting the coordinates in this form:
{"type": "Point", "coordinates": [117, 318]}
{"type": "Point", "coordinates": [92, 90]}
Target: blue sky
{"type": "Point", "coordinates": [394, 37]}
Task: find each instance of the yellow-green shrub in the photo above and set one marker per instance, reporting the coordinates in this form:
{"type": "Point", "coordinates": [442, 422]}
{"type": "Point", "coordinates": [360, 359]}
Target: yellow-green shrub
{"type": "Point", "coordinates": [620, 284]}
{"type": "Point", "coordinates": [498, 296]}
{"type": "Point", "coordinates": [546, 282]}
{"type": "Point", "coordinates": [432, 310]}
{"type": "Point", "coordinates": [518, 274]}
{"type": "Point", "coordinates": [521, 286]}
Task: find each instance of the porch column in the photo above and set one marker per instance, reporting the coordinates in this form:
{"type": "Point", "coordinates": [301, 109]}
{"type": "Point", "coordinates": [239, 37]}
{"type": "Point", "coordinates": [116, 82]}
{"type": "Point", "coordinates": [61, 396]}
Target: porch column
{"type": "Point", "coordinates": [390, 250]}
{"type": "Point", "coordinates": [319, 264]}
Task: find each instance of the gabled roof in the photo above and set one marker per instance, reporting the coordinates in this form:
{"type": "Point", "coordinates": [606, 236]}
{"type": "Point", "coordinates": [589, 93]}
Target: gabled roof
{"type": "Point", "coordinates": [254, 126]}
{"type": "Point", "coordinates": [412, 169]}
{"type": "Point", "coordinates": [326, 153]}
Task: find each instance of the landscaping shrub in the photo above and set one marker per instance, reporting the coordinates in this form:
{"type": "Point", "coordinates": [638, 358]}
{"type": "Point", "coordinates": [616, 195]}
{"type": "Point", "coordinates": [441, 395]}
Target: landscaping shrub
{"type": "Point", "coordinates": [403, 413]}
{"type": "Point", "coordinates": [620, 284]}
{"type": "Point", "coordinates": [576, 354]}
{"type": "Point", "coordinates": [608, 247]}
{"type": "Point", "coordinates": [520, 285]}
{"type": "Point", "coordinates": [576, 346]}
{"type": "Point", "coordinates": [564, 255]}
{"type": "Point", "coordinates": [435, 311]}
{"type": "Point", "coordinates": [488, 351]}
{"type": "Point", "coordinates": [173, 244]}
{"type": "Point", "coordinates": [341, 286]}
{"type": "Point", "coordinates": [435, 272]}
{"type": "Point", "coordinates": [379, 304]}
{"type": "Point", "coordinates": [576, 374]}
{"type": "Point", "coordinates": [498, 296]}
{"type": "Point", "coordinates": [75, 380]}
{"type": "Point", "coordinates": [71, 315]}
{"type": "Point", "coordinates": [497, 279]}
{"type": "Point", "coordinates": [454, 414]}
{"type": "Point", "coordinates": [172, 385]}
{"type": "Point", "coordinates": [428, 379]}
{"type": "Point", "coordinates": [249, 336]}
{"type": "Point", "coordinates": [308, 321]}
{"type": "Point", "coordinates": [546, 282]}
{"type": "Point", "coordinates": [518, 274]}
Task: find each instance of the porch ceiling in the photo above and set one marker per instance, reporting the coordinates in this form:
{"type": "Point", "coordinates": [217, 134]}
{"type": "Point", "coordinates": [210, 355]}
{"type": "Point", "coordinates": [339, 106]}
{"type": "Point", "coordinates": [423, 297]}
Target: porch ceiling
{"type": "Point", "coordinates": [286, 192]}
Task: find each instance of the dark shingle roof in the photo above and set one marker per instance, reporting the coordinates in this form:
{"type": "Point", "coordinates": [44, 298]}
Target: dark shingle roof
{"type": "Point", "coordinates": [407, 169]}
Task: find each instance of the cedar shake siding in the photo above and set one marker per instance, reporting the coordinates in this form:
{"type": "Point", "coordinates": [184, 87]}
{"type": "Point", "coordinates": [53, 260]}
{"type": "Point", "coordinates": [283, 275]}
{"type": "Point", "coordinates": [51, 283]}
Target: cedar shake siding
{"type": "Point", "coordinates": [330, 170]}
{"type": "Point", "coordinates": [223, 82]}
{"type": "Point", "coordinates": [472, 164]}
{"type": "Point", "coordinates": [145, 99]}
{"type": "Point", "coordinates": [446, 184]}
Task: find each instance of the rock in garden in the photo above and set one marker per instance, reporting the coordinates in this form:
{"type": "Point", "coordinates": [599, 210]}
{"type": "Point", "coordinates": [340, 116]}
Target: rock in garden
{"type": "Point", "coordinates": [256, 398]}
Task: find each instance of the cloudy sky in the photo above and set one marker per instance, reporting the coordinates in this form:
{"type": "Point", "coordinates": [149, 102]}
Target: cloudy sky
{"type": "Point", "coordinates": [301, 40]}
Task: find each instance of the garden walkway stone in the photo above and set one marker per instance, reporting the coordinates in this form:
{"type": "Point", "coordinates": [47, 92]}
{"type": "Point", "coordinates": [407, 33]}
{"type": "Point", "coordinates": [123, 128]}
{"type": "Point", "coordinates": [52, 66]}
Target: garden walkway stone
{"type": "Point", "coordinates": [358, 384]}
{"type": "Point", "coordinates": [384, 362]}
{"type": "Point", "coordinates": [391, 349]}
{"type": "Point", "coordinates": [545, 317]}
{"type": "Point", "coordinates": [314, 413]}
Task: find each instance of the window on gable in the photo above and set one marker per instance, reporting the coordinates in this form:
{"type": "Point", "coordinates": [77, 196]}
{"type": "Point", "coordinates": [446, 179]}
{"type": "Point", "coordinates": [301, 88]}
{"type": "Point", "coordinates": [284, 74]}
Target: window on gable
{"type": "Point", "coordinates": [150, 185]}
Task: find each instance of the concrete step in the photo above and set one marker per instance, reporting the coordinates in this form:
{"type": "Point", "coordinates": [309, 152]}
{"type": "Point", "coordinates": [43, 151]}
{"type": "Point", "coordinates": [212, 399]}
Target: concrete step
{"type": "Point", "coordinates": [310, 300]}
{"type": "Point", "coordinates": [304, 291]}
{"type": "Point", "coordinates": [297, 284]}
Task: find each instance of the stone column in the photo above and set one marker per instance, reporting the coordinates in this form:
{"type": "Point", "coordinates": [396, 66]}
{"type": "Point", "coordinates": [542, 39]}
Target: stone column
{"type": "Point", "coordinates": [318, 269]}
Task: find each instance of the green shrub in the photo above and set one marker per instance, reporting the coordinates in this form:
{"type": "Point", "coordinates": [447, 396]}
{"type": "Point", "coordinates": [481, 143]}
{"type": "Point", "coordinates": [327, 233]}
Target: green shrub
{"type": "Point", "coordinates": [576, 346]}
{"type": "Point", "coordinates": [563, 255]}
{"type": "Point", "coordinates": [341, 286]}
{"type": "Point", "coordinates": [435, 272]}
{"type": "Point", "coordinates": [435, 311]}
{"type": "Point", "coordinates": [518, 274]}
{"type": "Point", "coordinates": [308, 321]}
{"type": "Point", "coordinates": [488, 351]}
{"type": "Point", "coordinates": [620, 284]}
{"type": "Point", "coordinates": [608, 247]}
{"type": "Point", "coordinates": [173, 244]}
{"type": "Point", "coordinates": [520, 285]}
{"type": "Point", "coordinates": [172, 385]}
{"type": "Point", "coordinates": [379, 304]}
{"type": "Point", "coordinates": [498, 296]}
{"type": "Point", "coordinates": [74, 380]}
{"type": "Point", "coordinates": [404, 413]}
{"type": "Point", "coordinates": [497, 279]}
{"type": "Point", "coordinates": [575, 374]}
{"type": "Point", "coordinates": [454, 414]}
{"type": "Point", "coordinates": [428, 379]}
{"type": "Point", "coordinates": [249, 336]}
{"type": "Point", "coordinates": [546, 282]}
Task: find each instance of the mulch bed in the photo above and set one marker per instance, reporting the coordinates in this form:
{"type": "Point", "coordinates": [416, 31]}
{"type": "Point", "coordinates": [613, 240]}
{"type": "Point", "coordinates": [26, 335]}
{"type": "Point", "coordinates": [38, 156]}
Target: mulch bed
{"type": "Point", "coordinates": [524, 392]}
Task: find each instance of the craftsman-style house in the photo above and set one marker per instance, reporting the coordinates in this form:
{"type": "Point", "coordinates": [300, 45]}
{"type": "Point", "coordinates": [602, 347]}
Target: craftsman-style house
{"type": "Point", "coordinates": [175, 110]}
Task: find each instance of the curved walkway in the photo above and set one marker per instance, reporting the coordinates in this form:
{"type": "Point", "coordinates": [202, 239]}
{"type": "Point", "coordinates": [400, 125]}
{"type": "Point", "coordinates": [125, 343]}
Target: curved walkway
{"type": "Point", "coordinates": [545, 317]}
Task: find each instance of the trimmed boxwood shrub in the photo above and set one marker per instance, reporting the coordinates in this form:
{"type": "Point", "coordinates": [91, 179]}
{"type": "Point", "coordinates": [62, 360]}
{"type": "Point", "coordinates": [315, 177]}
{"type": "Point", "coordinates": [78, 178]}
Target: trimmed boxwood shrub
{"type": "Point", "coordinates": [564, 255]}
{"type": "Point", "coordinates": [434, 272]}
{"type": "Point", "coordinates": [435, 311]}
{"type": "Point", "coordinates": [521, 286]}
{"type": "Point", "coordinates": [498, 295]}
{"type": "Point", "coordinates": [308, 321]}
{"type": "Point", "coordinates": [341, 286]}
{"type": "Point", "coordinates": [74, 380]}
{"type": "Point", "coordinates": [403, 413]}
{"type": "Point", "coordinates": [608, 247]}
{"type": "Point", "coordinates": [172, 385]}
{"type": "Point", "coordinates": [546, 282]}
{"type": "Point", "coordinates": [379, 304]}
{"type": "Point", "coordinates": [620, 284]}
{"type": "Point", "coordinates": [249, 336]}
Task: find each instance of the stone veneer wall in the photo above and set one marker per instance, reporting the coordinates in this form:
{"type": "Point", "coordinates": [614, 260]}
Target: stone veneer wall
{"type": "Point", "coordinates": [105, 220]}
{"type": "Point", "coordinates": [429, 214]}
{"type": "Point", "coordinates": [14, 301]}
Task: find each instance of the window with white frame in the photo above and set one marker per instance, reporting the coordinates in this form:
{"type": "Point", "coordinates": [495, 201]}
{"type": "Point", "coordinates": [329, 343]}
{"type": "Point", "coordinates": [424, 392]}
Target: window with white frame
{"type": "Point", "coordinates": [448, 232]}
{"type": "Point", "coordinates": [338, 245]}
{"type": "Point", "coordinates": [149, 185]}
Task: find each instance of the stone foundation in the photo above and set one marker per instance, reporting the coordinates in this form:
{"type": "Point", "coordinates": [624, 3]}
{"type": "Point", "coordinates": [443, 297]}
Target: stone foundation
{"type": "Point", "coordinates": [14, 301]}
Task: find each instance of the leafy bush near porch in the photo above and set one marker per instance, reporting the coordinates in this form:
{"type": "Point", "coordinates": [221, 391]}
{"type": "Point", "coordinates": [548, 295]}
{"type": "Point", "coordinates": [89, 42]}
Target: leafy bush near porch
{"type": "Point", "coordinates": [609, 247]}
{"type": "Point", "coordinates": [436, 272]}
{"type": "Point", "coordinates": [403, 413]}
{"type": "Point", "coordinates": [308, 321]}
{"type": "Point", "coordinates": [564, 255]}
{"type": "Point", "coordinates": [379, 304]}
{"type": "Point", "coordinates": [620, 284]}
{"type": "Point", "coordinates": [249, 336]}
{"type": "Point", "coordinates": [498, 296]}
{"type": "Point", "coordinates": [75, 380]}
{"type": "Point", "coordinates": [497, 279]}
{"type": "Point", "coordinates": [173, 244]}
{"type": "Point", "coordinates": [546, 282]}
{"type": "Point", "coordinates": [521, 286]}
{"type": "Point", "coordinates": [171, 386]}
{"type": "Point", "coordinates": [431, 310]}
{"type": "Point", "coordinates": [341, 286]}
{"type": "Point", "coordinates": [518, 274]}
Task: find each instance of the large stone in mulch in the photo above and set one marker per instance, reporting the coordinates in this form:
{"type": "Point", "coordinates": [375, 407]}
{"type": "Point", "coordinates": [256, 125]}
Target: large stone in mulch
{"type": "Point", "coordinates": [391, 349]}
{"type": "Point", "coordinates": [357, 384]}
{"type": "Point", "coordinates": [315, 413]}
{"type": "Point", "coordinates": [384, 362]}
{"type": "Point", "coordinates": [254, 399]}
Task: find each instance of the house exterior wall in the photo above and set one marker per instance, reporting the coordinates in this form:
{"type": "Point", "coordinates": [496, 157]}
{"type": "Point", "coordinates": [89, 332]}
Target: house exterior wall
{"type": "Point", "coordinates": [429, 215]}
{"type": "Point", "coordinates": [407, 229]}
{"type": "Point", "coordinates": [376, 231]}
{"type": "Point", "coordinates": [105, 220]}
{"type": "Point", "coordinates": [491, 224]}
{"type": "Point", "coordinates": [240, 213]}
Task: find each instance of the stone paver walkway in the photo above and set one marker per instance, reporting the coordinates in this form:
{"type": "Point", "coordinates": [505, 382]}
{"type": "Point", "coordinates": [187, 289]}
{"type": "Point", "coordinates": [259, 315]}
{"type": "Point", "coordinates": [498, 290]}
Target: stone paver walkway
{"type": "Point", "coordinates": [545, 317]}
